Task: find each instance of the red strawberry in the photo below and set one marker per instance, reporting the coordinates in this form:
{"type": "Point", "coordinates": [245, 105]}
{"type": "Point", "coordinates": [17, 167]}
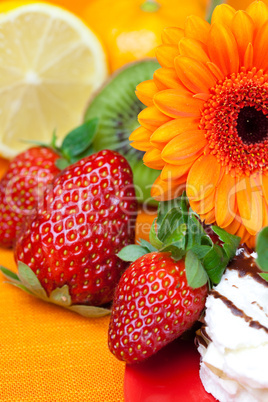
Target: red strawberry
{"type": "Point", "coordinates": [21, 188]}
{"type": "Point", "coordinates": [163, 291]}
{"type": "Point", "coordinates": [88, 216]}
{"type": "Point", "coordinates": [153, 305]}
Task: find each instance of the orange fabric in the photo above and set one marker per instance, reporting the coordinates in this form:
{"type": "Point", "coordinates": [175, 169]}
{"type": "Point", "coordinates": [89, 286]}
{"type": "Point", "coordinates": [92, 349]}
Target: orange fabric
{"type": "Point", "coordinates": [49, 354]}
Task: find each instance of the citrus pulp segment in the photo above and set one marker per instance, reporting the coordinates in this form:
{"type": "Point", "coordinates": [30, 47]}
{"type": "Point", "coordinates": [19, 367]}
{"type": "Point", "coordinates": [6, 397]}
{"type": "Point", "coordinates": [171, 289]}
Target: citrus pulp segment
{"type": "Point", "coordinates": [50, 64]}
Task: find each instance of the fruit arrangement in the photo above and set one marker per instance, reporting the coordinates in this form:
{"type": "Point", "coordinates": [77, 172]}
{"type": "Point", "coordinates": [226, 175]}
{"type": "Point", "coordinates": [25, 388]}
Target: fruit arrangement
{"type": "Point", "coordinates": [185, 131]}
{"type": "Point", "coordinates": [163, 292]}
{"type": "Point", "coordinates": [66, 254]}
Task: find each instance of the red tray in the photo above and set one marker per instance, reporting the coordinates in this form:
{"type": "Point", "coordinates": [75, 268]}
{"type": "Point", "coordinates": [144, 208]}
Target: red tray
{"type": "Point", "coordinates": [171, 375]}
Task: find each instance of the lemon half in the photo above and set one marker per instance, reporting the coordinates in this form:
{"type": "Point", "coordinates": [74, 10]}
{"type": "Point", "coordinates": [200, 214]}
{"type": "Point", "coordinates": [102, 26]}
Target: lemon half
{"type": "Point", "coordinates": [50, 64]}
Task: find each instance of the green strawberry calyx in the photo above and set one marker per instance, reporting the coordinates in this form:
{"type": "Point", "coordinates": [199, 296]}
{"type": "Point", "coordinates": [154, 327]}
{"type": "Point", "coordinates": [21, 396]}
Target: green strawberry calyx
{"type": "Point", "coordinates": [28, 281]}
{"type": "Point", "coordinates": [178, 230]}
{"type": "Point", "coordinates": [262, 252]}
{"type": "Point", "coordinates": [77, 144]}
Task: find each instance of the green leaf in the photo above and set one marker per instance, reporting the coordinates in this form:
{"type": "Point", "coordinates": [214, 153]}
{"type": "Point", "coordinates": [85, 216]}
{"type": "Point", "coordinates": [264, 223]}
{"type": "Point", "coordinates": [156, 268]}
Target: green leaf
{"type": "Point", "coordinates": [264, 276]}
{"type": "Point", "coordinates": [176, 253]}
{"type": "Point", "coordinates": [165, 207]}
{"type": "Point", "coordinates": [132, 252]}
{"type": "Point", "coordinates": [171, 214]}
{"type": "Point", "coordinates": [262, 249]}
{"type": "Point", "coordinates": [90, 311]}
{"type": "Point", "coordinates": [79, 139]}
{"type": "Point", "coordinates": [215, 262]}
{"type": "Point", "coordinates": [206, 241]}
{"type": "Point", "coordinates": [196, 231]}
{"type": "Point", "coordinates": [201, 251]}
{"type": "Point", "coordinates": [195, 272]}
{"type": "Point", "coordinates": [177, 237]}
{"type": "Point", "coordinates": [12, 276]}
{"type": "Point", "coordinates": [155, 242]}
{"type": "Point", "coordinates": [184, 206]}
{"type": "Point", "coordinates": [172, 220]}
{"type": "Point", "coordinates": [89, 151]}
{"type": "Point", "coordinates": [145, 244]}
{"type": "Point", "coordinates": [20, 286]}
{"type": "Point", "coordinates": [62, 163]}
{"type": "Point", "coordinates": [231, 242]}
{"type": "Point", "coordinates": [30, 281]}
{"type": "Point", "coordinates": [61, 296]}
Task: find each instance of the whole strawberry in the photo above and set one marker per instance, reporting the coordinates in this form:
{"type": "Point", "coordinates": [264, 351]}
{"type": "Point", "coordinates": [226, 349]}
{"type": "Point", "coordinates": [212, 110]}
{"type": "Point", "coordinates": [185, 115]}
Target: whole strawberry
{"type": "Point", "coordinates": [162, 293]}
{"type": "Point", "coordinates": [69, 249]}
{"type": "Point", "coordinates": [21, 189]}
{"type": "Point", "coordinates": [153, 305]}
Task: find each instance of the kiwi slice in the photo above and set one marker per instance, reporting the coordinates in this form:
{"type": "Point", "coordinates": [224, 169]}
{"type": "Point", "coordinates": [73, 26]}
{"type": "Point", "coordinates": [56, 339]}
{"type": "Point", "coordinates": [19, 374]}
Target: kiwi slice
{"type": "Point", "coordinates": [117, 107]}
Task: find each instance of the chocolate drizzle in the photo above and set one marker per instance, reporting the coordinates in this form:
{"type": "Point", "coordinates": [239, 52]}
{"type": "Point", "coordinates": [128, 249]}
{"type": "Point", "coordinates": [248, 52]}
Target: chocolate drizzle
{"type": "Point", "coordinates": [245, 264]}
{"type": "Point", "coordinates": [238, 312]}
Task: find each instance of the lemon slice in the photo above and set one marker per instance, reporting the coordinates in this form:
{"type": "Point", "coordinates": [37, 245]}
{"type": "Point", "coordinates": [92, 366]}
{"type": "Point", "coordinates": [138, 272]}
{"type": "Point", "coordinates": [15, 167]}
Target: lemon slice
{"type": "Point", "coordinates": [50, 64]}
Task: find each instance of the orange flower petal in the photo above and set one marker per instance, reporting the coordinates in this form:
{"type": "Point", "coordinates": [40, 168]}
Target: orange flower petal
{"type": "Point", "coordinates": [170, 130]}
{"type": "Point", "coordinates": [208, 218]}
{"type": "Point", "coordinates": [196, 28]}
{"type": "Point", "coordinates": [166, 78]}
{"type": "Point", "coordinates": [203, 177]}
{"type": "Point", "coordinates": [194, 75]}
{"type": "Point", "coordinates": [151, 118]}
{"type": "Point", "coordinates": [193, 48]}
{"type": "Point", "coordinates": [172, 36]}
{"type": "Point", "coordinates": [243, 28]}
{"type": "Point", "coordinates": [243, 194]}
{"type": "Point", "coordinates": [202, 96]}
{"type": "Point", "coordinates": [184, 148]}
{"type": "Point", "coordinates": [261, 48]}
{"type": "Point", "coordinates": [258, 11]}
{"type": "Point", "coordinates": [175, 103]}
{"type": "Point", "coordinates": [243, 233]}
{"type": "Point", "coordinates": [225, 202]}
{"type": "Point", "coordinates": [249, 202]}
{"type": "Point", "coordinates": [174, 172]}
{"type": "Point", "coordinates": [223, 14]}
{"type": "Point", "coordinates": [205, 205]}
{"type": "Point", "coordinates": [265, 214]}
{"type": "Point", "coordinates": [215, 71]}
{"type": "Point", "coordinates": [166, 190]}
{"type": "Point", "coordinates": [145, 91]}
{"type": "Point", "coordinates": [265, 187]}
{"type": "Point", "coordinates": [251, 242]}
{"type": "Point", "coordinates": [152, 159]}
{"type": "Point", "coordinates": [166, 54]}
{"type": "Point", "coordinates": [222, 49]}
{"type": "Point", "coordinates": [233, 226]}
{"type": "Point", "coordinates": [141, 139]}
{"type": "Point", "coordinates": [248, 57]}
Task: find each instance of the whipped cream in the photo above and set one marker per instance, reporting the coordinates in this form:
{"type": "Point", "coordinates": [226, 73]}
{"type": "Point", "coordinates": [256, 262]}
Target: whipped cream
{"type": "Point", "coordinates": [234, 340]}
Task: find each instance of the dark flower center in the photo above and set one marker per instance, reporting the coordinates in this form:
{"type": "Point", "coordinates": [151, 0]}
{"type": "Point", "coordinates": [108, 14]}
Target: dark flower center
{"type": "Point", "coordinates": [235, 122]}
{"type": "Point", "coordinates": [252, 125]}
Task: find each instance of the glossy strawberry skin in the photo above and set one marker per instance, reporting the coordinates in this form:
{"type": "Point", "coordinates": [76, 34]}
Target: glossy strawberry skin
{"type": "Point", "coordinates": [88, 216]}
{"type": "Point", "coordinates": [153, 305]}
{"type": "Point", "coordinates": [22, 188]}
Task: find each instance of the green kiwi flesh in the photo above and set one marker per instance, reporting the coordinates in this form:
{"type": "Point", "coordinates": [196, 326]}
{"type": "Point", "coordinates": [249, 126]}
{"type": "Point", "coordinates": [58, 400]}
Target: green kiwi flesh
{"type": "Point", "coordinates": [117, 107]}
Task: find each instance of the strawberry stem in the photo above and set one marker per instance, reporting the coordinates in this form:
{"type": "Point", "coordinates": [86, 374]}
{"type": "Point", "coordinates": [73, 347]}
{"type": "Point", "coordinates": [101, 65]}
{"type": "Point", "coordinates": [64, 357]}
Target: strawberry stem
{"type": "Point", "coordinates": [181, 233]}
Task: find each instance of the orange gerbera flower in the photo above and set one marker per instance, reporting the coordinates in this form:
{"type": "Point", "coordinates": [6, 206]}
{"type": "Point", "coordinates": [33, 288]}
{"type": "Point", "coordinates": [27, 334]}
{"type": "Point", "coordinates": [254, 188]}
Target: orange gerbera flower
{"type": "Point", "coordinates": [205, 126]}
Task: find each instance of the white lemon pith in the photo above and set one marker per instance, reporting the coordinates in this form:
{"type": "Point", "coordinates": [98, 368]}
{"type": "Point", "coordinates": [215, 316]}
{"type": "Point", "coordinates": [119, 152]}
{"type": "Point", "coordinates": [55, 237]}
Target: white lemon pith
{"type": "Point", "coordinates": [50, 64]}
